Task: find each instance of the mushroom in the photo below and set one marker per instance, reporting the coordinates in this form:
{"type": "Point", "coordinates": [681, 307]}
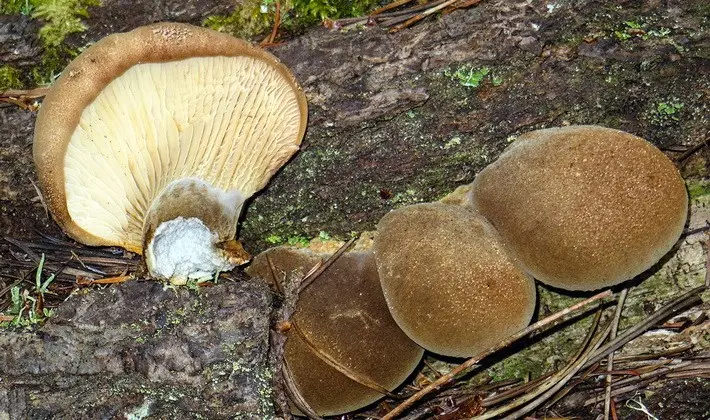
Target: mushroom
{"type": "Point", "coordinates": [583, 207]}
{"type": "Point", "coordinates": [152, 140]}
{"type": "Point", "coordinates": [448, 281]}
{"type": "Point", "coordinates": [344, 316]}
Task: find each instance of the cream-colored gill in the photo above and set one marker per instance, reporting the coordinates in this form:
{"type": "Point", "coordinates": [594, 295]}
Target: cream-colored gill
{"type": "Point", "coordinates": [229, 121]}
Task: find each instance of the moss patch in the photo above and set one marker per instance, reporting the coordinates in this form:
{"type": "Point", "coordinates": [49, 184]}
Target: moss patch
{"type": "Point", "coordinates": [698, 190]}
{"type": "Point", "coordinates": [256, 17]}
{"type": "Point", "coordinates": [13, 7]}
{"type": "Point", "coordinates": [9, 78]}
{"type": "Point", "coordinates": [60, 18]}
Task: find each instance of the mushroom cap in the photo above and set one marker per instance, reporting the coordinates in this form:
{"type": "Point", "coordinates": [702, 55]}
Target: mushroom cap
{"type": "Point", "coordinates": [140, 109]}
{"type": "Point", "coordinates": [448, 281]}
{"type": "Point", "coordinates": [344, 314]}
{"type": "Point", "coordinates": [583, 207]}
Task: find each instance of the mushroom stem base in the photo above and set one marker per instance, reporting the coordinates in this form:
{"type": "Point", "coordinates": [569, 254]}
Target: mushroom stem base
{"type": "Point", "coordinates": [185, 249]}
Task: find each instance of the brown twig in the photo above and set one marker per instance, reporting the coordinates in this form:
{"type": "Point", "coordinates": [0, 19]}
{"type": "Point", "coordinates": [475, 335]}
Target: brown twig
{"type": "Point", "coordinates": [313, 274]}
{"type": "Point", "coordinates": [498, 398]}
{"type": "Point", "coordinates": [383, 19]}
{"type": "Point", "coordinates": [503, 344]}
{"type": "Point", "coordinates": [610, 358]}
{"type": "Point", "coordinates": [389, 6]}
{"type": "Point", "coordinates": [688, 153]}
{"type": "Point", "coordinates": [84, 281]}
{"type": "Point", "coordinates": [684, 301]}
{"type": "Point", "coordinates": [291, 292]}
{"type": "Point", "coordinates": [330, 360]}
{"type": "Point", "coordinates": [284, 385]}
{"type": "Point", "coordinates": [561, 394]}
{"type": "Point", "coordinates": [294, 395]}
{"type": "Point", "coordinates": [653, 357]}
{"type": "Point", "coordinates": [633, 383]}
{"type": "Point", "coordinates": [390, 19]}
{"type": "Point", "coordinates": [403, 18]}
{"type": "Point", "coordinates": [411, 21]}
{"type": "Point", "coordinates": [269, 40]}
{"type": "Point", "coordinates": [558, 381]}
{"type": "Point", "coordinates": [23, 98]}
{"type": "Point", "coordinates": [433, 370]}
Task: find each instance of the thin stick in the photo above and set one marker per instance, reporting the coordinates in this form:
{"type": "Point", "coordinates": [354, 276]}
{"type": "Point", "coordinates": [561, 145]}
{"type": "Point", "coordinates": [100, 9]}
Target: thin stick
{"type": "Point", "coordinates": [390, 6]}
{"type": "Point", "coordinates": [291, 290]}
{"type": "Point", "coordinates": [568, 374]}
{"type": "Point", "coordinates": [558, 378]}
{"type": "Point", "coordinates": [295, 396]}
{"type": "Point", "coordinates": [610, 358]}
{"type": "Point", "coordinates": [23, 98]}
{"type": "Point", "coordinates": [630, 384]}
{"type": "Point", "coordinates": [691, 151]}
{"type": "Point", "coordinates": [330, 360]}
{"type": "Point", "coordinates": [433, 370]}
{"type": "Point", "coordinates": [690, 232]}
{"type": "Point", "coordinates": [578, 354]}
{"type": "Point", "coordinates": [513, 392]}
{"type": "Point", "coordinates": [687, 299]}
{"type": "Point", "coordinates": [387, 16]}
{"type": "Point", "coordinates": [503, 344]}
{"type": "Point", "coordinates": [422, 15]}
{"type": "Point", "coordinates": [277, 282]}
{"type": "Point", "coordinates": [313, 275]}
{"type": "Point", "coordinates": [269, 40]}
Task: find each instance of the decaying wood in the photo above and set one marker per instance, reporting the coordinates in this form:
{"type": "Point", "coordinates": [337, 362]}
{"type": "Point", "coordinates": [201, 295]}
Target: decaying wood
{"type": "Point", "coordinates": [389, 125]}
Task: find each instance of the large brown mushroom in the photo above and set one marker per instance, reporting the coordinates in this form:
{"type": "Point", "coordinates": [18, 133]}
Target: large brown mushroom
{"type": "Point", "coordinates": [344, 318]}
{"type": "Point", "coordinates": [153, 139]}
{"type": "Point", "coordinates": [583, 207]}
{"type": "Point", "coordinates": [448, 280]}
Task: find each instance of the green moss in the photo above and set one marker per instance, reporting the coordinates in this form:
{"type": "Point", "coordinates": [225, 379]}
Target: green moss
{"type": "Point", "coordinates": [51, 65]}
{"type": "Point", "coordinates": [246, 21]}
{"type": "Point", "coordinates": [666, 113]}
{"type": "Point", "coordinates": [9, 78]}
{"type": "Point", "coordinates": [60, 18]}
{"type": "Point", "coordinates": [473, 76]}
{"type": "Point", "coordinates": [13, 7]}
{"type": "Point", "coordinates": [298, 240]}
{"type": "Point", "coordinates": [698, 189]}
{"type": "Point", "coordinates": [256, 17]}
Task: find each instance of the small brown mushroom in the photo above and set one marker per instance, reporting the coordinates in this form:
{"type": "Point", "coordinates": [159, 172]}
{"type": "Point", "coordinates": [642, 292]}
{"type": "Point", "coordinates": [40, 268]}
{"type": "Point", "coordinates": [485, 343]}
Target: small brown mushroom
{"type": "Point", "coordinates": [153, 139]}
{"type": "Point", "coordinates": [583, 207]}
{"type": "Point", "coordinates": [344, 315]}
{"type": "Point", "coordinates": [448, 281]}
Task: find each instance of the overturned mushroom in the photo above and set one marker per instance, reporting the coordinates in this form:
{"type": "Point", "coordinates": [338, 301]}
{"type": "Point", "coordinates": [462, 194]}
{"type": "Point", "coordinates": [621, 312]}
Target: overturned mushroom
{"type": "Point", "coordinates": [343, 338]}
{"type": "Point", "coordinates": [448, 280]}
{"type": "Point", "coordinates": [583, 207]}
{"type": "Point", "coordinates": [153, 139]}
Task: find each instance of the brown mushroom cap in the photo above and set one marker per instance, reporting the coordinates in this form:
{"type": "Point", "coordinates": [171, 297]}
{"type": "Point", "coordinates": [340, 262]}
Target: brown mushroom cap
{"type": "Point", "coordinates": [448, 280]}
{"type": "Point", "coordinates": [139, 110]}
{"type": "Point", "coordinates": [583, 207]}
{"type": "Point", "coordinates": [344, 314]}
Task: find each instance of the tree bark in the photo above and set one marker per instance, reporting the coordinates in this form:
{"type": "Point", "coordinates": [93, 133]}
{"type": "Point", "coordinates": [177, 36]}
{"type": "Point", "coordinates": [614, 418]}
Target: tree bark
{"type": "Point", "coordinates": [390, 123]}
{"type": "Point", "coordinates": [139, 349]}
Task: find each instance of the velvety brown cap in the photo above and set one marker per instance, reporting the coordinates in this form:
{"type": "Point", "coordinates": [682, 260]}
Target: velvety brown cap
{"type": "Point", "coordinates": [448, 280]}
{"type": "Point", "coordinates": [583, 207]}
{"type": "Point", "coordinates": [100, 64]}
{"type": "Point", "coordinates": [344, 314]}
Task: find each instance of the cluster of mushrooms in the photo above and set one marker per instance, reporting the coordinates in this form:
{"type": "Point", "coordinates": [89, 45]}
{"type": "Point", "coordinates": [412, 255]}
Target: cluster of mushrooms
{"type": "Point", "coordinates": [153, 139]}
